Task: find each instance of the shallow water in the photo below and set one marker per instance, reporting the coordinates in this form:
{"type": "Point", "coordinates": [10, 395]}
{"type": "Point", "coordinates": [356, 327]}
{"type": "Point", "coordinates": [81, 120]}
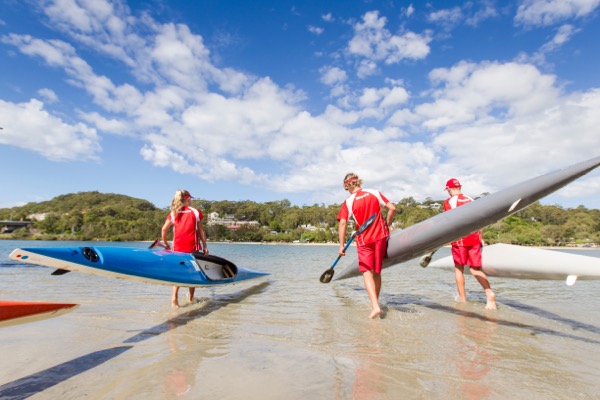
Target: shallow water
{"type": "Point", "coordinates": [291, 337]}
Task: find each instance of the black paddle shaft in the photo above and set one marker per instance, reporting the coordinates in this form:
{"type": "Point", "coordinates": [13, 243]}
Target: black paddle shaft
{"type": "Point", "coordinates": [327, 275]}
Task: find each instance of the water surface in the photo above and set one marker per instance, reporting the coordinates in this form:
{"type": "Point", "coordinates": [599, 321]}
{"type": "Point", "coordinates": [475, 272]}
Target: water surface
{"type": "Point", "coordinates": [291, 337]}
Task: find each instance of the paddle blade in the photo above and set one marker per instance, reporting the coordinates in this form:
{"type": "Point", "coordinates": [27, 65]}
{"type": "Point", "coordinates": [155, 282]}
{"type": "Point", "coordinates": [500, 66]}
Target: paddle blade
{"type": "Point", "coordinates": [60, 272]}
{"type": "Point", "coordinates": [327, 275]}
{"type": "Point", "coordinates": [426, 259]}
{"type": "Point", "coordinates": [157, 243]}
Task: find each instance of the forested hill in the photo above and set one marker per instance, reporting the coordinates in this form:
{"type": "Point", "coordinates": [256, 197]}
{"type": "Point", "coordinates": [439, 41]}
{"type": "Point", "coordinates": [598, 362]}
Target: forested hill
{"type": "Point", "coordinates": [82, 202]}
{"type": "Point", "coordinates": [115, 217]}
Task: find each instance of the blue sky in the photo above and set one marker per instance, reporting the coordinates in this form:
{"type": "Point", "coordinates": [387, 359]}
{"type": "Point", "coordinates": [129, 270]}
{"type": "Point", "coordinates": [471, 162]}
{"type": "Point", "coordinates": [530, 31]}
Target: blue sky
{"type": "Point", "coordinates": [271, 100]}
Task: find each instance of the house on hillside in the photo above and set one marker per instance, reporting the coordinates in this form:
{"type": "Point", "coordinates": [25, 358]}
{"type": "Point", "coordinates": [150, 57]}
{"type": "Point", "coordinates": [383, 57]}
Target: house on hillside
{"type": "Point", "coordinates": [229, 221]}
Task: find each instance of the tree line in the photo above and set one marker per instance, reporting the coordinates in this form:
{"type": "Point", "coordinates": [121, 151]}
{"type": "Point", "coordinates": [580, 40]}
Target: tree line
{"type": "Point", "coordinates": [115, 217]}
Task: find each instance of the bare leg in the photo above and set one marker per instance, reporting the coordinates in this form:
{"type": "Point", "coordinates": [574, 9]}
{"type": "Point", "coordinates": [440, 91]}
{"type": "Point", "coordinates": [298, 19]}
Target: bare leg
{"type": "Point", "coordinates": [459, 273]}
{"type": "Point", "coordinates": [174, 301]}
{"type": "Point", "coordinates": [191, 294]}
{"type": "Point", "coordinates": [485, 284]}
{"type": "Point", "coordinates": [377, 280]}
{"type": "Point", "coordinates": [372, 292]}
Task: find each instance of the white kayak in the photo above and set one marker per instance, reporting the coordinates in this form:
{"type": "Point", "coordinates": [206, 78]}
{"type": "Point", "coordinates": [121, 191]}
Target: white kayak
{"type": "Point", "coordinates": [510, 261]}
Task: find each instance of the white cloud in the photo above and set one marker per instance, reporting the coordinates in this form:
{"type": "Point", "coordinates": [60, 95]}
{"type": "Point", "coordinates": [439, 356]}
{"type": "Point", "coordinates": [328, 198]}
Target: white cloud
{"type": "Point", "coordinates": [373, 41]}
{"type": "Point", "coordinates": [549, 12]}
{"type": "Point", "coordinates": [103, 124]}
{"type": "Point", "coordinates": [29, 126]}
{"type": "Point", "coordinates": [486, 11]}
{"type": "Point", "coordinates": [48, 94]}
{"type": "Point", "coordinates": [332, 76]}
{"type": "Point", "coordinates": [396, 96]}
{"type": "Point", "coordinates": [469, 92]}
{"type": "Point", "coordinates": [366, 68]}
{"type": "Point", "coordinates": [448, 18]}
{"type": "Point", "coordinates": [315, 29]}
{"type": "Point", "coordinates": [562, 36]}
{"type": "Point", "coordinates": [335, 78]}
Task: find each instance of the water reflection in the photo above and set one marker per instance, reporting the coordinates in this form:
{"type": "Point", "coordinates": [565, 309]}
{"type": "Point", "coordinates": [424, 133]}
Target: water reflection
{"type": "Point", "coordinates": [371, 356]}
{"type": "Point", "coordinates": [179, 377]}
{"type": "Point", "coordinates": [473, 360]}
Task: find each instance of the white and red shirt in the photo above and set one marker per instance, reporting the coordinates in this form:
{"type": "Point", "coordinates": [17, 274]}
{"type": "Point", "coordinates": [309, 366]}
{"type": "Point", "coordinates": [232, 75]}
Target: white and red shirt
{"type": "Point", "coordinates": [185, 229]}
{"type": "Point", "coordinates": [473, 239]}
{"type": "Point", "coordinates": [361, 205]}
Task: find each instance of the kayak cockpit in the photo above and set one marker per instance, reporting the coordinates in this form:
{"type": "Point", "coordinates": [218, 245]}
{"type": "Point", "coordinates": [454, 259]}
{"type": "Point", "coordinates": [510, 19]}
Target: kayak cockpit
{"type": "Point", "coordinates": [215, 268]}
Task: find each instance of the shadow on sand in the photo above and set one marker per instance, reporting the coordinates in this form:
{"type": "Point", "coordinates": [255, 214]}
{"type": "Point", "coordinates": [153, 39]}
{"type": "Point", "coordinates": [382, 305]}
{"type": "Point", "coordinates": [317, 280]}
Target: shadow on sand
{"type": "Point", "coordinates": [214, 304]}
{"type": "Point", "coordinates": [400, 303]}
{"type": "Point", "coordinates": [40, 381]}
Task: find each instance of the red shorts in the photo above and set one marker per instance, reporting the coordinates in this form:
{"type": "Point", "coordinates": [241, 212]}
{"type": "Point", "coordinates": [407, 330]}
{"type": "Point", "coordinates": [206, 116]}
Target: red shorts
{"type": "Point", "coordinates": [370, 256]}
{"type": "Point", "coordinates": [467, 255]}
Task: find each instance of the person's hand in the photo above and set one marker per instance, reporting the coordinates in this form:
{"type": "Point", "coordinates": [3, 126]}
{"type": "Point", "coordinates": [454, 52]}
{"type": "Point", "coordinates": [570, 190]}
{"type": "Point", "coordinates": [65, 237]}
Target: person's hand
{"type": "Point", "coordinates": [341, 252]}
{"type": "Point", "coordinates": [205, 251]}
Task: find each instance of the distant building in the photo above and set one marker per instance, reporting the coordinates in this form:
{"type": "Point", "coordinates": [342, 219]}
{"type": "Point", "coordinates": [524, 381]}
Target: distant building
{"type": "Point", "coordinates": [432, 206]}
{"type": "Point", "coordinates": [37, 217]}
{"type": "Point", "coordinates": [229, 221]}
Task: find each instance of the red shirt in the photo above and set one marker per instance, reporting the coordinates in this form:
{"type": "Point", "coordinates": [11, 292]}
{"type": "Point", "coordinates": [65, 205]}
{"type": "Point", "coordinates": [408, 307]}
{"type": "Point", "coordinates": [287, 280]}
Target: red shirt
{"type": "Point", "coordinates": [473, 239]}
{"type": "Point", "coordinates": [361, 205]}
{"type": "Point", "coordinates": [185, 229]}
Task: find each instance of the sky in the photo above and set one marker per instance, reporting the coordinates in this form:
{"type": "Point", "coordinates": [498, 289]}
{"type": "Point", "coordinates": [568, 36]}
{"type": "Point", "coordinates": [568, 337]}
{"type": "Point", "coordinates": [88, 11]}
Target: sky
{"type": "Point", "coordinates": [276, 99]}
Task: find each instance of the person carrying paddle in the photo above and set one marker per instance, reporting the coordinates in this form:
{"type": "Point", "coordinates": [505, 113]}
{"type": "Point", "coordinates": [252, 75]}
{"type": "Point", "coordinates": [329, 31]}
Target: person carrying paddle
{"type": "Point", "coordinates": [188, 232]}
{"type": "Point", "coordinates": [371, 245]}
{"type": "Point", "coordinates": [467, 251]}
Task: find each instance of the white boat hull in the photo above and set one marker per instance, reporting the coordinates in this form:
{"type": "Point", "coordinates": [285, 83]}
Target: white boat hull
{"type": "Point", "coordinates": [510, 261]}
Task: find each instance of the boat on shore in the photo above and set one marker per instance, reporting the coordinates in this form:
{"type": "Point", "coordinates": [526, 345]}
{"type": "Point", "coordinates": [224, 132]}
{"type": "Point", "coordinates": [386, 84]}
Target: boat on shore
{"type": "Point", "coordinates": [148, 265]}
{"type": "Point", "coordinates": [20, 312]}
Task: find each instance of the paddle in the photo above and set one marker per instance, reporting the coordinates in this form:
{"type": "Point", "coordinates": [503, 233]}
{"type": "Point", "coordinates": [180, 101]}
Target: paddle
{"type": "Point", "coordinates": [60, 272]}
{"type": "Point", "coordinates": [426, 259]}
{"type": "Point", "coordinates": [156, 243]}
{"type": "Point", "coordinates": [327, 275]}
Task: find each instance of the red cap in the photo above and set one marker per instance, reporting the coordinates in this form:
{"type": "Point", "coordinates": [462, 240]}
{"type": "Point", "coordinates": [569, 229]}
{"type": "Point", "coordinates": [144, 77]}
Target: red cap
{"type": "Point", "coordinates": [452, 183]}
{"type": "Point", "coordinates": [187, 196]}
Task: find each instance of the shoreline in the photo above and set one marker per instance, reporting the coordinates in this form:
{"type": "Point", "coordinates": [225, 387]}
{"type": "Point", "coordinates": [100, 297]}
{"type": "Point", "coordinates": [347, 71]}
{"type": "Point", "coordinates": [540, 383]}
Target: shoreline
{"type": "Point", "coordinates": [301, 244]}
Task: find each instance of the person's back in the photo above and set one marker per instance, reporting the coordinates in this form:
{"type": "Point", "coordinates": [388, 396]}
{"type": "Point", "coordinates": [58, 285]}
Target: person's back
{"type": "Point", "coordinates": [365, 203]}
{"type": "Point", "coordinates": [185, 230]}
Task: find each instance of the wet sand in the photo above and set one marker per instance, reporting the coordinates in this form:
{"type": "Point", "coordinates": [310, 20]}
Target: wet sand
{"type": "Point", "coordinates": [291, 337]}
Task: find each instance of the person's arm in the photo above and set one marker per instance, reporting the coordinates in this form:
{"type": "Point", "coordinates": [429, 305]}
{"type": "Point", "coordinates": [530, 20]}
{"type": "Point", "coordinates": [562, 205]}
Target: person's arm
{"type": "Point", "coordinates": [391, 211]}
{"type": "Point", "coordinates": [164, 231]}
{"type": "Point", "coordinates": [202, 236]}
{"type": "Point", "coordinates": [342, 236]}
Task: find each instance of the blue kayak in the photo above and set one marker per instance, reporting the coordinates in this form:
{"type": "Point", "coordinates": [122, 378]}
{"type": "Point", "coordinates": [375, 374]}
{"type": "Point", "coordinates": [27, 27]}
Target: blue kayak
{"type": "Point", "coordinates": [159, 266]}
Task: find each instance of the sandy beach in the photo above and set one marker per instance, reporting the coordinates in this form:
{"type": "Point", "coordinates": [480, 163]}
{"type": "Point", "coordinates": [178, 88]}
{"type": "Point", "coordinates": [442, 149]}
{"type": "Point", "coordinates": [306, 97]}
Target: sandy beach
{"type": "Point", "coordinates": [291, 337]}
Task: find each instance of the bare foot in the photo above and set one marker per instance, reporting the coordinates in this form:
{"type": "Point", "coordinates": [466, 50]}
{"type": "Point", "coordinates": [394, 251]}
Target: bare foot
{"type": "Point", "coordinates": [375, 313]}
{"type": "Point", "coordinates": [174, 304]}
{"type": "Point", "coordinates": [491, 302]}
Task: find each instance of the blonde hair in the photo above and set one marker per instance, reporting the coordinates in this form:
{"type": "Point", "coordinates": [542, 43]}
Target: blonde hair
{"type": "Point", "coordinates": [177, 202]}
{"type": "Point", "coordinates": [351, 181]}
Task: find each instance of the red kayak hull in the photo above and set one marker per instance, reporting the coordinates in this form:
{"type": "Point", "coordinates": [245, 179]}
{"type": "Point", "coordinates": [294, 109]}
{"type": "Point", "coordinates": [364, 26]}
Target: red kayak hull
{"type": "Point", "coordinates": [16, 312]}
